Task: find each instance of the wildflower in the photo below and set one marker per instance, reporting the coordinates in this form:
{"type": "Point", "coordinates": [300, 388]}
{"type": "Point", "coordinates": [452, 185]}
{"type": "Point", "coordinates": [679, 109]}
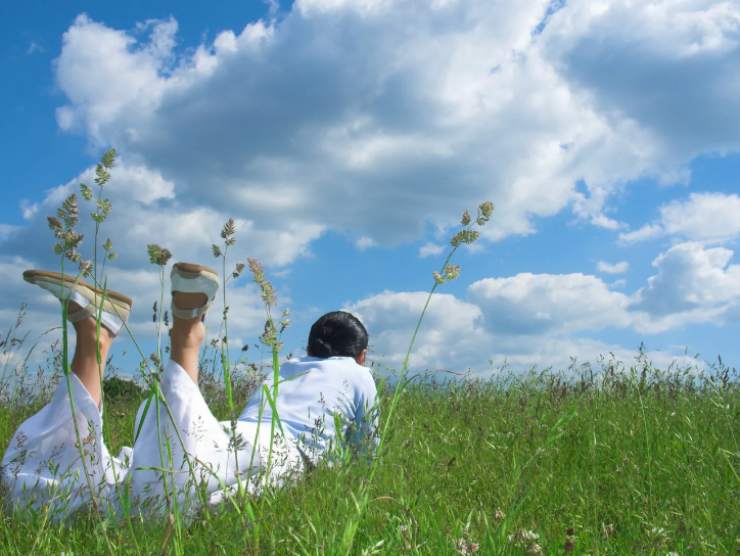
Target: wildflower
{"type": "Point", "coordinates": [526, 539]}
{"type": "Point", "coordinates": [465, 547]}
{"type": "Point", "coordinates": [158, 255]}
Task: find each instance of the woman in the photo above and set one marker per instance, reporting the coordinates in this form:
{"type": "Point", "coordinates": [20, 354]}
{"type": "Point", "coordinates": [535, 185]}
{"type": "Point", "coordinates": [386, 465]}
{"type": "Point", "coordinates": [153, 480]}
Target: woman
{"type": "Point", "coordinates": [182, 454]}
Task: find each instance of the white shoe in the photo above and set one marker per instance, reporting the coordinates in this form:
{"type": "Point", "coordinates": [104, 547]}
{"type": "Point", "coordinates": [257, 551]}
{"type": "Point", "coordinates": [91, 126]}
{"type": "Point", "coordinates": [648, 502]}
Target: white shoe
{"type": "Point", "coordinates": [116, 307]}
{"type": "Point", "coordinates": [193, 278]}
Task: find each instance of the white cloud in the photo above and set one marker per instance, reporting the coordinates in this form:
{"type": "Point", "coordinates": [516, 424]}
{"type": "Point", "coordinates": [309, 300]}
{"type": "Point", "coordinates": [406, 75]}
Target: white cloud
{"type": "Point", "coordinates": [612, 268]}
{"type": "Point", "coordinates": [365, 242]}
{"type": "Point", "coordinates": [146, 210]}
{"type": "Point", "coordinates": [549, 303]}
{"type": "Point", "coordinates": [410, 108]}
{"type": "Point", "coordinates": [450, 338]}
{"type": "Point", "coordinates": [374, 118]}
{"type": "Point", "coordinates": [455, 337]}
{"type": "Point", "coordinates": [693, 283]}
{"type": "Point", "coordinates": [651, 62]}
{"type": "Point", "coordinates": [430, 250]}
{"type": "Point", "coordinates": [649, 231]}
{"type": "Point", "coordinates": [705, 217]}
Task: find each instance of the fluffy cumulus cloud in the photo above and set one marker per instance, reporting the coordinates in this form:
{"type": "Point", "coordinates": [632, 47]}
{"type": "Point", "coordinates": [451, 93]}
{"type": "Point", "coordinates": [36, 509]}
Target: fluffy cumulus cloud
{"type": "Point", "coordinates": [545, 303]}
{"type": "Point", "coordinates": [672, 67]}
{"type": "Point", "coordinates": [692, 283]}
{"type": "Point", "coordinates": [374, 118]}
{"type": "Point", "coordinates": [478, 334]}
{"type": "Point", "coordinates": [705, 217]}
{"type": "Point", "coordinates": [452, 336]}
{"type": "Point", "coordinates": [545, 319]}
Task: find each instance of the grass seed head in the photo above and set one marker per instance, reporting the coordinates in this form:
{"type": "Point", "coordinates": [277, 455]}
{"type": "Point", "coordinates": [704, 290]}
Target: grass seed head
{"type": "Point", "coordinates": [228, 232]}
{"type": "Point", "coordinates": [86, 268]}
{"type": "Point", "coordinates": [266, 289]}
{"type": "Point", "coordinates": [466, 236]}
{"type": "Point", "coordinates": [86, 192]}
{"type": "Point", "coordinates": [485, 210]}
{"type": "Point", "coordinates": [158, 255]}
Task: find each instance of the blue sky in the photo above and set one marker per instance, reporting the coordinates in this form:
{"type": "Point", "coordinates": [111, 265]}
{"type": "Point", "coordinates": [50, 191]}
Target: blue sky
{"type": "Point", "coordinates": [346, 138]}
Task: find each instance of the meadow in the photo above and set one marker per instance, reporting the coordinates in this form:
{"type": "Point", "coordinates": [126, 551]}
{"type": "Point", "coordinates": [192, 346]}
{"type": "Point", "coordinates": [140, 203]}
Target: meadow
{"type": "Point", "coordinates": [621, 458]}
{"type": "Point", "coordinates": [609, 461]}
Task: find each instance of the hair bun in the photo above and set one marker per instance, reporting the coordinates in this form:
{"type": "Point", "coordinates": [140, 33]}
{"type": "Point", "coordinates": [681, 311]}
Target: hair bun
{"type": "Point", "coordinates": [322, 348]}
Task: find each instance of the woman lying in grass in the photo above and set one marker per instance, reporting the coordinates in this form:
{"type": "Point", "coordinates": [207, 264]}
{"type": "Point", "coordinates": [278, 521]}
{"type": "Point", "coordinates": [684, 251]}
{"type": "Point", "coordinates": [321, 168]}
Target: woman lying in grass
{"type": "Point", "coordinates": [181, 454]}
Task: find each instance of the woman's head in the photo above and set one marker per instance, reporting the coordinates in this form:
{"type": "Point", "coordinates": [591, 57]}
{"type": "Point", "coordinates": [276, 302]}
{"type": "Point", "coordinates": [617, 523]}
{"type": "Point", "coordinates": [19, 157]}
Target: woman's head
{"type": "Point", "coordinates": [337, 334]}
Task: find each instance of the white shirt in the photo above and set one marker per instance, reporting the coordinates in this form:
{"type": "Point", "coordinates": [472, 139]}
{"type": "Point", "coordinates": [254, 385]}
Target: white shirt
{"type": "Point", "coordinates": [312, 393]}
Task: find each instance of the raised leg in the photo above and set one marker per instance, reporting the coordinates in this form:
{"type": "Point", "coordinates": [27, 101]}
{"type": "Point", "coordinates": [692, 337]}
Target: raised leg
{"type": "Point", "coordinates": [187, 335]}
{"type": "Point", "coordinates": [85, 362]}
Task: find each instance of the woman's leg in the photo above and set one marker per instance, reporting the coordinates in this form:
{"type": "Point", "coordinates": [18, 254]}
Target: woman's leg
{"type": "Point", "coordinates": [187, 335]}
{"type": "Point", "coordinates": [57, 456]}
{"type": "Point", "coordinates": [85, 362]}
{"type": "Point", "coordinates": [183, 449]}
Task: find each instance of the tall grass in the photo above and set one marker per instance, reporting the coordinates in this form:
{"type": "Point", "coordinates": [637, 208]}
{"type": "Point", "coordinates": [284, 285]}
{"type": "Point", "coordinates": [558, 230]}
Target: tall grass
{"type": "Point", "coordinates": [549, 462]}
{"type": "Point", "coordinates": [624, 460]}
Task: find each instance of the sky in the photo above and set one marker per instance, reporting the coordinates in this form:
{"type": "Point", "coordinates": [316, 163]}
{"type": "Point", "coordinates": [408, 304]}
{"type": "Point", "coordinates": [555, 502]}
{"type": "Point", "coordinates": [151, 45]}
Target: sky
{"type": "Point", "coordinates": [347, 137]}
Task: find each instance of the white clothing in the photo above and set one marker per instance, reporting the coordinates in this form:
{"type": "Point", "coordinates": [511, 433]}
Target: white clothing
{"type": "Point", "coordinates": [312, 393]}
{"type": "Point", "coordinates": [182, 454]}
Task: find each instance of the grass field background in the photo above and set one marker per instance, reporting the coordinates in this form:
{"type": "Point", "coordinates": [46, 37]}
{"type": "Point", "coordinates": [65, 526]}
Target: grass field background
{"type": "Point", "coordinates": [620, 461]}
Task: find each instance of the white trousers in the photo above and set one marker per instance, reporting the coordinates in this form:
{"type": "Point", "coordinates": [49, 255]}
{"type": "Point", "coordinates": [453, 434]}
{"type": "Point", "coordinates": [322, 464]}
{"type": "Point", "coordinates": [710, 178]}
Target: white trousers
{"type": "Point", "coordinates": [182, 456]}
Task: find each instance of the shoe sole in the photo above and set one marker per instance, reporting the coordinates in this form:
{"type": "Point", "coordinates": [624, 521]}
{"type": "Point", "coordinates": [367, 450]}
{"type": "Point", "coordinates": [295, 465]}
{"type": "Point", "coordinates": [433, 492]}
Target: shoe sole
{"type": "Point", "coordinates": [115, 302]}
{"type": "Point", "coordinates": [192, 270]}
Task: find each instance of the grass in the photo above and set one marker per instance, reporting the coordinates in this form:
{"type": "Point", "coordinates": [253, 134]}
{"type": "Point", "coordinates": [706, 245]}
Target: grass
{"type": "Point", "coordinates": [619, 462]}
{"type": "Point", "coordinates": [623, 462]}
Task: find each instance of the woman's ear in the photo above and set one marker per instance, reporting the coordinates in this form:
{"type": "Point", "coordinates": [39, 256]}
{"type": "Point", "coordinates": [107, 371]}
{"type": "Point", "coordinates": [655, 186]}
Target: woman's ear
{"type": "Point", "coordinates": [361, 357]}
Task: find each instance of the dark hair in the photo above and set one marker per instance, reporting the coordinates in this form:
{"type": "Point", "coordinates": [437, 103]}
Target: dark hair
{"type": "Point", "coordinates": [337, 334]}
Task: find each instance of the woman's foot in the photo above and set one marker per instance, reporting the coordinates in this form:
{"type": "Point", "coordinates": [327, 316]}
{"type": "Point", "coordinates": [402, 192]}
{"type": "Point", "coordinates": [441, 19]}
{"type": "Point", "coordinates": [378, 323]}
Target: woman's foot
{"type": "Point", "coordinates": [85, 300]}
{"type": "Point", "coordinates": [194, 288]}
{"type": "Point", "coordinates": [85, 304]}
